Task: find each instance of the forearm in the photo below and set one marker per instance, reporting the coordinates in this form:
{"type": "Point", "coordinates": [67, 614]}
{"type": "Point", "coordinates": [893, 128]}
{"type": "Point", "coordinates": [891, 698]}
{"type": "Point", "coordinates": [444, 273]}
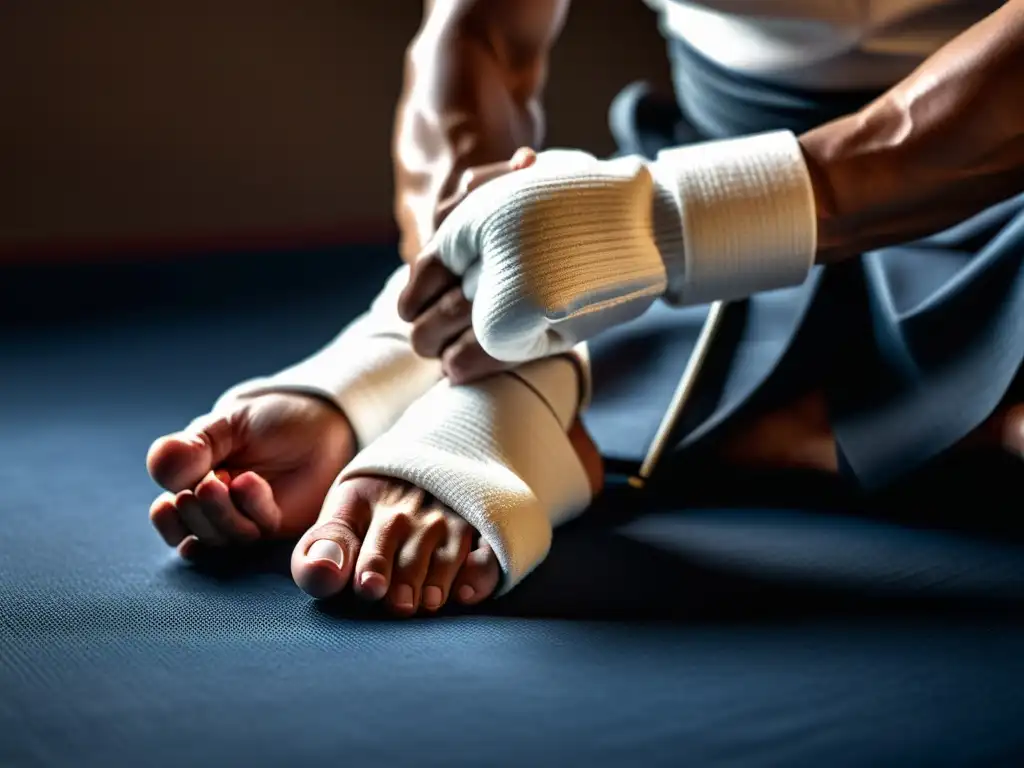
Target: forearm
{"type": "Point", "coordinates": [939, 147]}
{"type": "Point", "coordinates": [474, 77]}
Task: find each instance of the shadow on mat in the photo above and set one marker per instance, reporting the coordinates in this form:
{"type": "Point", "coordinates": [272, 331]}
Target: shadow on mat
{"type": "Point", "coordinates": [646, 558]}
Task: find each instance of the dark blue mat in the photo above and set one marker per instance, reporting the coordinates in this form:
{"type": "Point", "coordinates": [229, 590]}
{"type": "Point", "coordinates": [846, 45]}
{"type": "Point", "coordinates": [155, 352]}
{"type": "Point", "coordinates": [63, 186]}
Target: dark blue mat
{"type": "Point", "coordinates": [654, 635]}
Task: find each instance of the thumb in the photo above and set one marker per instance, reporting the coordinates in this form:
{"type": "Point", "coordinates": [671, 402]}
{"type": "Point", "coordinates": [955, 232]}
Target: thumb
{"type": "Point", "coordinates": [475, 177]}
{"type": "Point", "coordinates": [179, 461]}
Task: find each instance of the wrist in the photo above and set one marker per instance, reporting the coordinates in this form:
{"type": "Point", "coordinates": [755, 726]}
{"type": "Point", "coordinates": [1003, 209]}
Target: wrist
{"type": "Point", "coordinates": [830, 247]}
{"type": "Point", "coordinates": [747, 217]}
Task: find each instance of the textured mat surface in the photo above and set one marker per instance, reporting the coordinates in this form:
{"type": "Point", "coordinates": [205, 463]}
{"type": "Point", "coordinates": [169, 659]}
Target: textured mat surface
{"type": "Point", "coordinates": [653, 635]}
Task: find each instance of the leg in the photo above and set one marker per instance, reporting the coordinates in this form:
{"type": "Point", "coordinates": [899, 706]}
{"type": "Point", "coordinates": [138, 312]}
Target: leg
{"type": "Point", "coordinates": [799, 436]}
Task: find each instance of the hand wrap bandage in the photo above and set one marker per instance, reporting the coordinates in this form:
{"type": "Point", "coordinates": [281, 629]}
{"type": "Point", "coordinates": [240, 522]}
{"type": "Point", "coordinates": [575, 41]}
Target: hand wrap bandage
{"type": "Point", "coordinates": [497, 453]}
{"type": "Point", "coordinates": [369, 370]}
{"type": "Point", "coordinates": [572, 245]}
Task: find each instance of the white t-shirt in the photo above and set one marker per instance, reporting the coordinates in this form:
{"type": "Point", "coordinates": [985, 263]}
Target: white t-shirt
{"type": "Point", "coordinates": [827, 44]}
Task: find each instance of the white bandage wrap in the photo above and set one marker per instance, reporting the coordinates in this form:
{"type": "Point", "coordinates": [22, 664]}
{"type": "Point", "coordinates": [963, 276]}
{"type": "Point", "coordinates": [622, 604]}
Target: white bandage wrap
{"type": "Point", "coordinates": [497, 453]}
{"type": "Point", "coordinates": [369, 370]}
{"type": "Point", "coordinates": [748, 219]}
{"type": "Point", "coordinates": [555, 253]}
{"type": "Point", "coordinates": [572, 245]}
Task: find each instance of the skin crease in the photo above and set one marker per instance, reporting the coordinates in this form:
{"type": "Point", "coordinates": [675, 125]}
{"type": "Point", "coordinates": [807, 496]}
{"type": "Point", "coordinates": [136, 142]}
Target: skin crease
{"type": "Point", "coordinates": [474, 77]}
{"type": "Point", "coordinates": [260, 468]}
{"type": "Point", "coordinates": [943, 144]}
{"type": "Point", "coordinates": [940, 146]}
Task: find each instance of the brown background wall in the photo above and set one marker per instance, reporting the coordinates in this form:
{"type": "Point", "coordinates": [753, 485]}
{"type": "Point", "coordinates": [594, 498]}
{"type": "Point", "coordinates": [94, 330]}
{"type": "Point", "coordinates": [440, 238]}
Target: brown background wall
{"type": "Point", "coordinates": [126, 124]}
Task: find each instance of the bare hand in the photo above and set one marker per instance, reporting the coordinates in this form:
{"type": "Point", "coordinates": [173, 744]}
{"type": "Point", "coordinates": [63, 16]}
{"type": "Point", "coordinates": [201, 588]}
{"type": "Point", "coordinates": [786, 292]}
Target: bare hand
{"type": "Point", "coordinates": [434, 301]}
{"type": "Point", "coordinates": [257, 468]}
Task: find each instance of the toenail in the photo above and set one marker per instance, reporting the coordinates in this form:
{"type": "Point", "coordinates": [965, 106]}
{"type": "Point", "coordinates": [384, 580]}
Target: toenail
{"type": "Point", "coordinates": [403, 596]}
{"type": "Point", "coordinates": [466, 592]}
{"type": "Point", "coordinates": [374, 583]}
{"type": "Point", "coordinates": [325, 549]}
{"type": "Point", "coordinates": [432, 597]}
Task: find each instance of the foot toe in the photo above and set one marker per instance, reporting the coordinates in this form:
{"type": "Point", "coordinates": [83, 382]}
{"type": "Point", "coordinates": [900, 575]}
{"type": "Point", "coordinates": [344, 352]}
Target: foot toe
{"type": "Point", "coordinates": [403, 599]}
{"type": "Point", "coordinates": [479, 576]}
{"type": "Point", "coordinates": [445, 564]}
{"type": "Point", "coordinates": [323, 560]}
{"type": "Point", "coordinates": [413, 564]}
{"type": "Point", "coordinates": [433, 598]}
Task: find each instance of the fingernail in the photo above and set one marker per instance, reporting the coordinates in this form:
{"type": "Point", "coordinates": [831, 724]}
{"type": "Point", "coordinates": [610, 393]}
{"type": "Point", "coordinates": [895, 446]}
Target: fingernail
{"type": "Point", "coordinates": [403, 597]}
{"type": "Point", "coordinates": [432, 597]}
{"type": "Point", "coordinates": [522, 155]}
{"type": "Point", "coordinates": [224, 476]}
{"type": "Point", "coordinates": [466, 592]}
{"type": "Point", "coordinates": [325, 549]}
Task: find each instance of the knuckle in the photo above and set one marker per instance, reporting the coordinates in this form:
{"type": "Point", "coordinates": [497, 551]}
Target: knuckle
{"type": "Point", "coordinates": [340, 531]}
{"type": "Point", "coordinates": [441, 213]}
{"type": "Point", "coordinates": [445, 558]}
{"type": "Point", "coordinates": [454, 304]}
{"type": "Point", "coordinates": [456, 358]}
{"type": "Point", "coordinates": [411, 562]}
{"type": "Point", "coordinates": [467, 180]}
{"type": "Point", "coordinates": [399, 523]}
{"type": "Point", "coordinates": [207, 492]}
{"type": "Point", "coordinates": [408, 497]}
{"type": "Point", "coordinates": [435, 523]}
{"type": "Point", "coordinates": [419, 337]}
{"type": "Point", "coordinates": [375, 562]}
{"type": "Point", "coordinates": [160, 503]}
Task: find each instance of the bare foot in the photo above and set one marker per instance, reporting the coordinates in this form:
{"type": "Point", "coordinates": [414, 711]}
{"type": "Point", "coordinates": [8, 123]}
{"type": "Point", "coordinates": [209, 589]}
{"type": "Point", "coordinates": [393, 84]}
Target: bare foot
{"type": "Point", "coordinates": [798, 436]}
{"type": "Point", "coordinates": [394, 543]}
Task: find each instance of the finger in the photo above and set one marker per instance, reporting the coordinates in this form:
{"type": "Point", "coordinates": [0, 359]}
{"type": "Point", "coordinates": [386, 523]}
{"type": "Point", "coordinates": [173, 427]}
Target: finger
{"type": "Point", "coordinates": [195, 520]}
{"type": "Point", "coordinates": [479, 175]}
{"type": "Point", "coordinates": [429, 276]}
{"type": "Point", "coordinates": [442, 322]}
{"type": "Point", "coordinates": [254, 498]}
{"type": "Point", "coordinates": [464, 361]}
{"type": "Point", "coordinates": [164, 517]}
{"type": "Point", "coordinates": [323, 560]}
{"type": "Point", "coordinates": [444, 565]}
{"type": "Point", "coordinates": [218, 509]}
{"type": "Point", "coordinates": [524, 157]}
{"type": "Point", "coordinates": [181, 460]}
{"type": "Point", "coordinates": [428, 279]}
{"type": "Point", "coordinates": [413, 561]}
{"type": "Point", "coordinates": [479, 575]}
{"type": "Point", "coordinates": [191, 549]}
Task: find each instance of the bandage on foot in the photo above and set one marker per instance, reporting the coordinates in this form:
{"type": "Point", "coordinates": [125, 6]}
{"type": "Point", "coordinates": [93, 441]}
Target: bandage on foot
{"type": "Point", "coordinates": [497, 453]}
